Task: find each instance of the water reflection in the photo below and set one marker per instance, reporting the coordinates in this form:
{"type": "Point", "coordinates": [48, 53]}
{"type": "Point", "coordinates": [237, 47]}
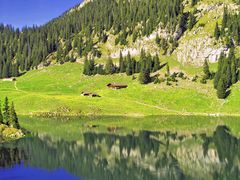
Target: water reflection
{"type": "Point", "coordinates": [138, 155]}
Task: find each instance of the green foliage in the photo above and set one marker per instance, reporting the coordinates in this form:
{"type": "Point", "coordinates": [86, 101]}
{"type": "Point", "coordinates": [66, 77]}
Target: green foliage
{"type": "Point", "coordinates": [156, 63]}
{"type": "Point", "coordinates": [9, 115]}
{"type": "Point", "coordinates": [217, 32]}
{"type": "Point", "coordinates": [109, 68]}
{"type": "Point", "coordinates": [230, 28]}
{"type": "Point", "coordinates": [81, 30]}
{"type": "Point", "coordinates": [13, 119]}
{"type": "Point", "coordinates": [86, 68]}
{"type": "Point", "coordinates": [1, 115]}
{"type": "Point", "coordinates": [221, 89]}
{"type": "Point", "coordinates": [6, 112]}
{"type": "Point", "coordinates": [203, 80]}
{"type": "Point", "coordinates": [144, 76]}
{"type": "Point", "coordinates": [122, 67]}
{"type": "Point", "coordinates": [128, 65]}
{"type": "Point", "coordinates": [227, 73]}
{"type": "Point", "coordinates": [207, 73]}
{"type": "Point", "coordinates": [168, 70]}
{"type": "Point", "coordinates": [194, 2]}
{"type": "Point", "coordinates": [192, 21]}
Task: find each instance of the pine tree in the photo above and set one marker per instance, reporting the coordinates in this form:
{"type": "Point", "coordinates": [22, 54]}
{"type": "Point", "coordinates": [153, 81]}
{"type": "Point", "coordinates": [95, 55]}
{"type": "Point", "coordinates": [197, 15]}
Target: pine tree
{"type": "Point", "coordinates": [121, 63]}
{"type": "Point", "coordinates": [144, 76]}
{"type": "Point", "coordinates": [129, 68]}
{"type": "Point", "coordinates": [60, 55]}
{"type": "Point", "coordinates": [225, 18]}
{"type": "Point", "coordinates": [5, 73]}
{"type": "Point", "coordinates": [158, 40]}
{"type": "Point", "coordinates": [217, 32]}
{"type": "Point", "coordinates": [233, 72]}
{"type": "Point", "coordinates": [6, 113]}
{"type": "Point", "coordinates": [221, 89]}
{"type": "Point", "coordinates": [109, 68]}
{"type": "Point", "coordinates": [206, 70]}
{"type": "Point", "coordinates": [192, 21]}
{"type": "Point", "coordinates": [168, 70]}
{"type": "Point", "coordinates": [156, 65]}
{"type": "Point", "coordinates": [13, 119]}
{"type": "Point", "coordinates": [194, 2]}
{"type": "Point", "coordinates": [92, 66]}
{"type": "Point", "coordinates": [86, 68]}
{"type": "Point", "coordinates": [1, 115]}
{"type": "Point", "coordinates": [219, 70]}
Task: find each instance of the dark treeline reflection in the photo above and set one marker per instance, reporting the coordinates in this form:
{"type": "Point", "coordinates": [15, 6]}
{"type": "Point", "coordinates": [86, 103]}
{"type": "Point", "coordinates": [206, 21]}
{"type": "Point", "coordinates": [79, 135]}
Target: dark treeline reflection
{"type": "Point", "coordinates": [139, 155]}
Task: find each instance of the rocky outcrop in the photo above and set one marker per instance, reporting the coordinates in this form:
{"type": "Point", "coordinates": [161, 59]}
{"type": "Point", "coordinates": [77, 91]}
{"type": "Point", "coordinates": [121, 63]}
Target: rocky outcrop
{"type": "Point", "coordinates": [147, 43]}
{"type": "Point", "coordinates": [196, 51]}
{"type": "Point", "coordinates": [9, 133]}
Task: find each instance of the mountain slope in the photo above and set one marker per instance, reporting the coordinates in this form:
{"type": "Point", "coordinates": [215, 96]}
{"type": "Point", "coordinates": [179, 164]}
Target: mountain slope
{"type": "Point", "coordinates": [128, 26]}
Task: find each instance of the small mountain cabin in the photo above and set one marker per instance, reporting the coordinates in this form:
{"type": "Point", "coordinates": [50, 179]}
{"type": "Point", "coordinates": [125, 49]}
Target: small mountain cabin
{"type": "Point", "coordinates": [117, 86]}
{"type": "Point", "coordinates": [89, 94]}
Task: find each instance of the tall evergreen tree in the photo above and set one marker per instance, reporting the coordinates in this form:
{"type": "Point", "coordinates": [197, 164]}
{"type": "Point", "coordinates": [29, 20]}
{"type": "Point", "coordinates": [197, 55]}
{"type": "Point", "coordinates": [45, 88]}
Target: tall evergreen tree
{"type": "Point", "coordinates": [217, 32]}
{"type": "Point", "coordinates": [221, 89]}
{"type": "Point", "coordinates": [121, 63]}
{"type": "Point", "coordinates": [168, 70]}
{"type": "Point", "coordinates": [13, 119]}
{"type": "Point", "coordinates": [206, 70]}
{"type": "Point", "coordinates": [219, 70]}
{"type": "Point", "coordinates": [1, 115]}
{"type": "Point", "coordinates": [192, 21]}
{"type": "Point", "coordinates": [6, 112]}
{"type": "Point", "coordinates": [156, 62]}
{"type": "Point", "coordinates": [225, 18]}
{"type": "Point", "coordinates": [86, 68]}
{"type": "Point", "coordinates": [144, 76]}
{"type": "Point", "coordinates": [129, 67]}
{"type": "Point", "coordinates": [109, 68]}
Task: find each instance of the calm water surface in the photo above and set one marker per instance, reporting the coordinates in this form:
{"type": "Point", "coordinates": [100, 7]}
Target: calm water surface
{"type": "Point", "coordinates": [136, 155]}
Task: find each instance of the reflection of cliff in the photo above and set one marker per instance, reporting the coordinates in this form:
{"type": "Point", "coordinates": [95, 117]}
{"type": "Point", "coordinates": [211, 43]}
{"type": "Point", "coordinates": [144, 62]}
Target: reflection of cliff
{"type": "Point", "coordinates": [143, 155]}
{"type": "Point", "coordinates": [215, 157]}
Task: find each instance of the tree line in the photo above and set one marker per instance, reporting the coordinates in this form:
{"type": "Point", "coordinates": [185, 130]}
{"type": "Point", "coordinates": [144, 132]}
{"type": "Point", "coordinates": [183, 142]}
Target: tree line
{"type": "Point", "coordinates": [80, 30]}
{"type": "Point", "coordinates": [8, 115]}
{"type": "Point", "coordinates": [227, 73]}
{"type": "Point", "coordinates": [229, 29]}
{"type": "Point", "coordinates": [145, 65]}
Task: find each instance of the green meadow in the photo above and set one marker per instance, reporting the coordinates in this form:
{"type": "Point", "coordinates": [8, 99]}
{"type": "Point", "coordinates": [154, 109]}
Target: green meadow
{"type": "Point", "coordinates": [59, 87]}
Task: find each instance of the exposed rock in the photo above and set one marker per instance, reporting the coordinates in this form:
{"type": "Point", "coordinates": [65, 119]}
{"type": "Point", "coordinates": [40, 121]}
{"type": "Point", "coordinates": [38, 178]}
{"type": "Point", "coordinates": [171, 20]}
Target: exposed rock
{"type": "Point", "coordinates": [196, 51]}
{"type": "Point", "coordinates": [10, 133]}
{"type": "Point", "coordinates": [147, 43]}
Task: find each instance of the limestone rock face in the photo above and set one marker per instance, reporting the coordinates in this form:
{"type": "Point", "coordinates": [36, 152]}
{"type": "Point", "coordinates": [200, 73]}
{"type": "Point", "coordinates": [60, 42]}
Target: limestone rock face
{"type": "Point", "coordinates": [196, 51]}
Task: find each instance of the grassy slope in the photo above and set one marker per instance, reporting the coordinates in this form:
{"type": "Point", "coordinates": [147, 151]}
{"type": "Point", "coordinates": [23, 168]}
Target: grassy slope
{"type": "Point", "coordinates": [60, 86]}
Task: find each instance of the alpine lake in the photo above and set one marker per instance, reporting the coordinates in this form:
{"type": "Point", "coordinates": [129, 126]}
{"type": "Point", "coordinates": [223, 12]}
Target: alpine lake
{"type": "Point", "coordinates": [118, 148]}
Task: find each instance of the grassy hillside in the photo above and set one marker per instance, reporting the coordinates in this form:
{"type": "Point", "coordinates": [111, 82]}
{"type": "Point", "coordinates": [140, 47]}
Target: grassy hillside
{"type": "Point", "coordinates": [58, 89]}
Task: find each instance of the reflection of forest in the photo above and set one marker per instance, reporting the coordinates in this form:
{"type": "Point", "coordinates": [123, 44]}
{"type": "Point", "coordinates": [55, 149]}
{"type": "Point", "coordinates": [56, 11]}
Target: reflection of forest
{"type": "Point", "coordinates": [143, 155]}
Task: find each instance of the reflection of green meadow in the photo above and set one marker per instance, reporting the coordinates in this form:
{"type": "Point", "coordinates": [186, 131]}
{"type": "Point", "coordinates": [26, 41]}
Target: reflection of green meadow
{"type": "Point", "coordinates": [72, 128]}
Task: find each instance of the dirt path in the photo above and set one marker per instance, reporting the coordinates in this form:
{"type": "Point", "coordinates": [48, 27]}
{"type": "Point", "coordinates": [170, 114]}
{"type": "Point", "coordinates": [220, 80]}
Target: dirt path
{"type": "Point", "coordinates": [15, 86]}
{"type": "Point", "coordinates": [17, 89]}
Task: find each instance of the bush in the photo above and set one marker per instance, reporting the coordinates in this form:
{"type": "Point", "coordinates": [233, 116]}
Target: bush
{"type": "Point", "coordinates": [168, 83]}
{"type": "Point", "coordinates": [181, 75]}
{"type": "Point", "coordinates": [203, 80]}
{"type": "Point", "coordinates": [195, 78]}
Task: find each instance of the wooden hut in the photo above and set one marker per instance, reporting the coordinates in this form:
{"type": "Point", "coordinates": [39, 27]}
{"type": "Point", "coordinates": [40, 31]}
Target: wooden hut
{"type": "Point", "coordinates": [116, 86]}
{"type": "Point", "coordinates": [89, 94]}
